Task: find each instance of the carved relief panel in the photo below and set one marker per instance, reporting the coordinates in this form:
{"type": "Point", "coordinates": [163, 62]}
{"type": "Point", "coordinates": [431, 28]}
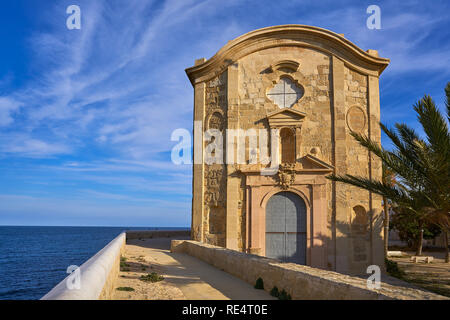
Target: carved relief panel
{"type": "Point", "coordinates": [214, 218]}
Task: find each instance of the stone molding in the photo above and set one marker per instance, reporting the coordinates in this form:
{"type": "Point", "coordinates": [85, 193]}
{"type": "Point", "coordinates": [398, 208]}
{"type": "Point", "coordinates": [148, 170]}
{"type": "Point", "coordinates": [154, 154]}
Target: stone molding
{"type": "Point", "coordinates": [285, 64]}
{"type": "Point", "coordinates": [286, 117]}
{"type": "Point", "coordinates": [288, 35]}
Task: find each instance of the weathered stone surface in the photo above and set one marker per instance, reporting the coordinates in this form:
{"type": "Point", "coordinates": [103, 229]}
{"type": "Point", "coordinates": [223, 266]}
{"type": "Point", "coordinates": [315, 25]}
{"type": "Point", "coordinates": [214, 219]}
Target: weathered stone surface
{"type": "Point", "coordinates": [320, 87]}
{"type": "Point", "coordinates": [146, 234]}
{"type": "Point", "coordinates": [301, 282]}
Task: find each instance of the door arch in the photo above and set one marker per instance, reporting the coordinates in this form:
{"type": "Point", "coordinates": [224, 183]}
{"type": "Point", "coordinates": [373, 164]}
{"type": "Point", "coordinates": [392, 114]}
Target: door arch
{"type": "Point", "coordinates": [286, 228]}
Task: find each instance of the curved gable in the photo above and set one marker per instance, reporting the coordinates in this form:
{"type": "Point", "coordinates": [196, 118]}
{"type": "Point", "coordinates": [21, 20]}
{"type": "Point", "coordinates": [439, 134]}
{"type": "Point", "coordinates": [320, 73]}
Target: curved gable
{"type": "Point", "coordinates": [288, 35]}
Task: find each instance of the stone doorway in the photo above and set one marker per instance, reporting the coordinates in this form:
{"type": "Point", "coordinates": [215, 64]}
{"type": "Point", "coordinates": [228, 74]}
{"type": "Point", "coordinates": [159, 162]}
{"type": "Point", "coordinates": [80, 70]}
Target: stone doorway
{"type": "Point", "coordinates": [286, 228]}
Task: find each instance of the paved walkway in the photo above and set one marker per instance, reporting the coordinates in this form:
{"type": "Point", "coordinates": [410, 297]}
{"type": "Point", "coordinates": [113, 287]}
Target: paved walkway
{"type": "Point", "coordinates": [185, 277]}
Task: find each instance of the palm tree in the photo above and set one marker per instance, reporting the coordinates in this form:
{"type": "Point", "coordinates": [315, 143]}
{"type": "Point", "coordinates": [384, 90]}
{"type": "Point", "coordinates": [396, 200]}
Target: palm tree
{"type": "Point", "coordinates": [421, 166]}
{"type": "Point", "coordinates": [435, 157]}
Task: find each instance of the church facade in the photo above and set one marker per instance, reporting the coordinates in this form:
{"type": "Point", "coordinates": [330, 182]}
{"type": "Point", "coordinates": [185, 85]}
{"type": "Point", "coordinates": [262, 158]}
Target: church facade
{"type": "Point", "coordinates": [311, 87]}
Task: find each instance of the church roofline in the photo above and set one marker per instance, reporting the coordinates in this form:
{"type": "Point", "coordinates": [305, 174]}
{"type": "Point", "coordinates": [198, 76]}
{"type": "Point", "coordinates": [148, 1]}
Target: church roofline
{"type": "Point", "coordinates": [287, 35]}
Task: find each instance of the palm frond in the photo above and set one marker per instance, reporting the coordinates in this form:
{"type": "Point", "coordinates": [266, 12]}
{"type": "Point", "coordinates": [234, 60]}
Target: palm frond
{"type": "Point", "coordinates": [434, 125]}
{"type": "Point", "coordinates": [389, 191]}
{"type": "Point", "coordinates": [396, 162]}
{"type": "Point", "coordinates": [416, 173]}
{"type": "Point", "coordinates": [447, 102]}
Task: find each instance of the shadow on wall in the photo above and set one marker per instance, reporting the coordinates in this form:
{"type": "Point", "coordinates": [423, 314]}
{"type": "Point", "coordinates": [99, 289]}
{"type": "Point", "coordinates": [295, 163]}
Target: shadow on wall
{"type": "Point", "coordinates": [350, 249]}
{"type": "Point", "coordinates": [353, 246]}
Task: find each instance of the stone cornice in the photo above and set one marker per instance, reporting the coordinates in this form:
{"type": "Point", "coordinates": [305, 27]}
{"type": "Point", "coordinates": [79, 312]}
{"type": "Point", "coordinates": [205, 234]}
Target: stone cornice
{"type": "Point", "coordinates": [292, 118]}
{"type": "Point", "coordinates": [288, 35]}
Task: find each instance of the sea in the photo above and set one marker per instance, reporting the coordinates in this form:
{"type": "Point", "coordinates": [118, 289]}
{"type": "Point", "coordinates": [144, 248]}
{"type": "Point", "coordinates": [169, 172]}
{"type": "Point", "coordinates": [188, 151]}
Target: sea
{"type": "Point", "coordinates": [35, 259]}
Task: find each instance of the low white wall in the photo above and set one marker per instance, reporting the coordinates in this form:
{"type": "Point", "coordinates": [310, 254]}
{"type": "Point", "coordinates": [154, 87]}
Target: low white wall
{"type": "Point", "coordinates": [97, 275]}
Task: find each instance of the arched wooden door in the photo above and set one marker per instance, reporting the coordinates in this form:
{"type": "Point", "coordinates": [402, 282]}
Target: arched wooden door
{"type": "Point", "coordinates": [286, 228]}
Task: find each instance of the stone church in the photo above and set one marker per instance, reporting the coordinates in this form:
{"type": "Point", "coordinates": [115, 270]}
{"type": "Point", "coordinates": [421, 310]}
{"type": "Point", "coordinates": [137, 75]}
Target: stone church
{"type": "Point", "coordinates": [314, 87]}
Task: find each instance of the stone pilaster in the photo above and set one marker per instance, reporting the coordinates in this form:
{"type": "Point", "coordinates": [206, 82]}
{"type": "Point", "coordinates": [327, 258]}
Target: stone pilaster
{"type": "Point", "coordinates": [197, 167]}
{"type": "Point", "coordinates": [375, 171]}
{"type": "Point", "coordinates": [318, 223]}
{"type": "Point", "coordinates": [233, 181]}
{"type": "Point", "coordinates": [341, 227]}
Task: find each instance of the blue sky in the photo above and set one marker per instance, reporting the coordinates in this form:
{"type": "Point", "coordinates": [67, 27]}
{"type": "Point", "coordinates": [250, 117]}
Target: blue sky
{"type": "Point", "coordinates": [86, 115]}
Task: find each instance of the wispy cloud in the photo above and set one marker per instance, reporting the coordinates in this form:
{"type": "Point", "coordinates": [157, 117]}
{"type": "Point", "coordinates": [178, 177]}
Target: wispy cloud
{"type": "Point", "coordinates": [26, 146]}
{"type": "Point", "coordinates": [94, 118]}
{"type": "Point", "coordinates": [8, 106]}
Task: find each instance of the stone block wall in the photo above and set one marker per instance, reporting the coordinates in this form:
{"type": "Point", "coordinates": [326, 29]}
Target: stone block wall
{"type": "Point", "coordinates": [301, 282]}
{"type": "Point", "coordinates": [340, 93]}
{"type": "Point", "coordinates": [149, 234]}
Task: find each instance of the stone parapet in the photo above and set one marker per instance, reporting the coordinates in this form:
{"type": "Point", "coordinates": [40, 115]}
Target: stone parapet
{"type": "Point", "coordinates": [97, 275]}
{"type": "Point", "coordinates": [301, 282]}
{"type": "Point", "coordinates": [149, 234]}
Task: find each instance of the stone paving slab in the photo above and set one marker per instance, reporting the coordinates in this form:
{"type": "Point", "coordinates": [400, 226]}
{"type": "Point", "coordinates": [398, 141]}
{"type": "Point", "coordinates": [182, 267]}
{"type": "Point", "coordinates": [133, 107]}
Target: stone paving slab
{"type": "Point", "coordinates": [185, 277]}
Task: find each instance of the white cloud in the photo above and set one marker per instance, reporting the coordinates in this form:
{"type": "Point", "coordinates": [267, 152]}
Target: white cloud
{"type": "Point", "coordinates": [33, 148]}
{"type": "Point", "coordinates": [110, 94]}
{"type": "Point", "coordinates": [7, 107]}
{"type": "Point", "coordinates": [104, 84]}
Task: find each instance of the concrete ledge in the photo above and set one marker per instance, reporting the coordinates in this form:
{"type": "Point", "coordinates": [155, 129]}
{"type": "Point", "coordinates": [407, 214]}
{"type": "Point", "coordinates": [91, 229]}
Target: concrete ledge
{"type": "Point", "coordinates": [395, 254]}
{"type": "Point", "coordinates": [301, 282]}
{"type": "Point", "coordinates": [427, 259]}
{"type": "Point", "coordinates": [138, 234]}
{"type": "Point", "coordinates": [97, 275]}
